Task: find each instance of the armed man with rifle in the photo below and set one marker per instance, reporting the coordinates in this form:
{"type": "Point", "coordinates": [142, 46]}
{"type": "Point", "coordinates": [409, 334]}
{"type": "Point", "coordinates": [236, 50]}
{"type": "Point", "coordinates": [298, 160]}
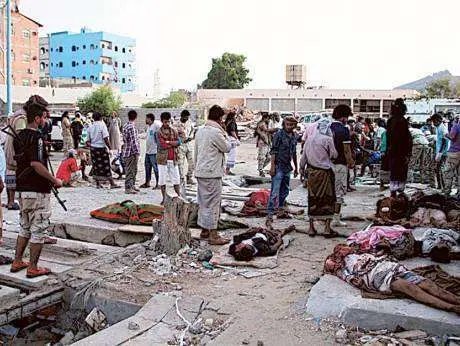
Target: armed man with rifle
{"type": "Point", "coordinates": [34, 182]}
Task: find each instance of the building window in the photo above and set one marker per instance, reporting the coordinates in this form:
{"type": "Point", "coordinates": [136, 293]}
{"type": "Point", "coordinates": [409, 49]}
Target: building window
{"type": "Point", "coordinates": [103, 45]}
{"type": "Point", "coordinates": [26, 82]}
{"type": "Point", "coordinates": [52, 64]}
{"type": "Point", "coordinates": [74, 63]}
{"type": "Point", "coordinates": [103, 78]}
{"type": "Point", "coordinates": [61, 64]}
{"type": "Point", "coordinates": [61, 49]}
{"type": "Point", "coordinates": [25, 57]}
{"type": "Point", "coordinates": [123, 65]}
{"type": "Point", "coordinates": [51, 49]}
{"type": "Point", "coordinates": [91, 46]}
{"type": "Point", "coordinates": [42, 66]}
{"type": "Point", "coordinates": [84, 46]}
{"type": "Point", "coordinates": [116, 63]}
{"type": "Point", "coordinates": [13, 56]}
{"type": "Point", "coordinates": [91, 62]}
{"type": "Point", "coordinates": [123, 50]}
{"type": "Point", "coordinates": [91, 77]}
{"type": "Point", "coordinates": [116, 48]}
{"type": "Point", "coordinates": [25, 33]}
{"type": "Point", "coordinates": [123, 80]}
{"type": "Point", "coordinates": [83, 77]}
{"type": "Point", "coordinates": [42, 50]}
{"type": "Point", "coordinates": [84, 62]}
{"type": "Point", "coordinates": [74, 48]}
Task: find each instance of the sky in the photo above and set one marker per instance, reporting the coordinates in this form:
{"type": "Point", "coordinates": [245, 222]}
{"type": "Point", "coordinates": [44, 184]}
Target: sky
{"type": "Point", "coordinates": [352, 44]}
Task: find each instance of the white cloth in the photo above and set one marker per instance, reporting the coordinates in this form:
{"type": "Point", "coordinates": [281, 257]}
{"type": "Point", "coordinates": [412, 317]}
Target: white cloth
{"type": "Point", "coordinates": [169, 170]}
{"type": "Point", "coordinates": [97, 131]}
{"type": "Point", "coordinates": [151, 146]}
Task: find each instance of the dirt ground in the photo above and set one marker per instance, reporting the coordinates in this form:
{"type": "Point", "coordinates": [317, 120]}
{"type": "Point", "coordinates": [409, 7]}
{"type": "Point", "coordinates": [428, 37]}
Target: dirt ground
{"type": "Point", "coordinates": [268, 308]}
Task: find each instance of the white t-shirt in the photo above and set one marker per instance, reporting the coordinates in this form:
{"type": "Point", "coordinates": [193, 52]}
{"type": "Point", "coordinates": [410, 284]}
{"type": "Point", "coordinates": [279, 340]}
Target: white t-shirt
{"type": "Point", "coordinates": [97, 131]}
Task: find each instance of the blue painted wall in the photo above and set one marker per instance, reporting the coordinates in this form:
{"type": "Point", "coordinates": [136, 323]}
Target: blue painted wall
{"type": "Point", "coordinates": [80, 56]}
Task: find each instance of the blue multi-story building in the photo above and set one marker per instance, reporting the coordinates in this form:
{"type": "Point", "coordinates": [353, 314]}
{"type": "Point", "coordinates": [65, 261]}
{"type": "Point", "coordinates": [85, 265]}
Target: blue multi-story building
{"type": "Point", "coordinates": [97, 57]}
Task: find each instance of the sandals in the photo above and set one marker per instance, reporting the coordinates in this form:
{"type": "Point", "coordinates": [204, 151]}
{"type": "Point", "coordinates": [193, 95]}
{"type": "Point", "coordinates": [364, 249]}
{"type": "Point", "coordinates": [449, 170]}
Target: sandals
{"type": "Point", "coordinates": [204, 234]}
{"type": "Point", "coordinates": [14, 206]}
{"type": "Point", "coordinates": [33, 273]}
{"type": "Point", "coordinates": [18, 266]}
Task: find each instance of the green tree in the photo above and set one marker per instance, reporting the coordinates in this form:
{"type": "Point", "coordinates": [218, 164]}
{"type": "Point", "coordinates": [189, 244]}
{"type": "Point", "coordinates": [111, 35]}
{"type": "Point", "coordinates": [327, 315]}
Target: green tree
{"type": "Point", "coordinates": [438, 89]}
{"type": "Point", "coordinates": [102, 100]}
{"type": "Point", "coordinates": [227, 72]}
{"type": "Point", "coordinates": [174, 100]}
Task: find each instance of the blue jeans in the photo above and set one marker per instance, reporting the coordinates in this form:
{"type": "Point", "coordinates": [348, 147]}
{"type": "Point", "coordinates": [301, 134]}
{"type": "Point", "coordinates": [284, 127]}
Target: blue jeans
{"type": "Point", "coordinates": [151, 162]}
{"type": "Point", "coordinates": [279, 191]}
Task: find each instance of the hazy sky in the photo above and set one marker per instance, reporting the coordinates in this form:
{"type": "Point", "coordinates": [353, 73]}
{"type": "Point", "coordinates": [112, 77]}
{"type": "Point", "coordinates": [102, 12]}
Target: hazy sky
{"type": "Point", "coordinates": [344, 43]}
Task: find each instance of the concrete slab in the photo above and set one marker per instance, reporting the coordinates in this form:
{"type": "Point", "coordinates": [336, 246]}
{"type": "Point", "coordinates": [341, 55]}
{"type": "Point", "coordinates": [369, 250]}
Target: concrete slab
{"type": "Point", "coordinates": [331, 297]}
{"type": "Point", "coordinates": [159, 335]}
{"type": "Point", "coordinates": [20, 280]}
{"type": "Point", "coordinates": [8, 295]}
{"type": "Point", "coordinates": [147, 318]}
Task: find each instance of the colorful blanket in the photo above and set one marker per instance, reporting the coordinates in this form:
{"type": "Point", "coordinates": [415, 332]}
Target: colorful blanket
{"type": "Point", "coordinates": [128, 212]}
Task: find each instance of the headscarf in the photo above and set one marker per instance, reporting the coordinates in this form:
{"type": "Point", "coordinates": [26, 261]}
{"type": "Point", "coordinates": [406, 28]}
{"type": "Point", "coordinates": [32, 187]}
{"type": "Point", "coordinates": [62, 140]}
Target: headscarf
{"type": "Point", "coordinates": [324, 126]}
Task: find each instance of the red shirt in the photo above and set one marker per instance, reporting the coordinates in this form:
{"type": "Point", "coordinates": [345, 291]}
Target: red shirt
{"type": "Point", "coordinates": [66, 168]}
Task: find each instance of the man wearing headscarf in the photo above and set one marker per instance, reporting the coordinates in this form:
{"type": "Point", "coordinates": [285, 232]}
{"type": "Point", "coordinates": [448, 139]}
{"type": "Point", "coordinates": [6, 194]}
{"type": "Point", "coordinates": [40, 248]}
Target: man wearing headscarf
{"type": "Point", "coordinates": [318, 153]}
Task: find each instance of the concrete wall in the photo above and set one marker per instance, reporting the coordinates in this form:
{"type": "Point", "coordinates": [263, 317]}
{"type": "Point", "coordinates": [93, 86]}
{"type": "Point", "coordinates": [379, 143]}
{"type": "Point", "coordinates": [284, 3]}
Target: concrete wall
{"type": "Point", "coordinates": [256, 104]}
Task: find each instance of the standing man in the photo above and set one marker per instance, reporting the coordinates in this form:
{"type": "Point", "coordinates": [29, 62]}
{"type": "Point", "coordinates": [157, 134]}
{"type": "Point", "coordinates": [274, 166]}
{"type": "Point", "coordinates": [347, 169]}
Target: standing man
{"type": "Point", "coordinates": [168, 141]}
{"type": "Point", "coordinates": [283, 151]}
{"type": "Point", "coordinates": [66, 132]}
{"type": "Point", "coordinates": [211, 145]}
{"type": "Point", "coordinates": [442, 145]}
{"type": "Point", "coordinates": [131, 151]}
{"type": "Point", "coordinates": [151, 149]}
{"type": "Point", "coordinates": [77, 130]}
{"type": "Point", "coordinates": [34, 183]}
{"type": "Point", "coordinates": [185, 153]}
{"type": "Point", "coordinates": [453, 160]}
{"type": "Point", "coordinates": [344, 160]}
{"type": "Point", "coordinates": [264, 140]}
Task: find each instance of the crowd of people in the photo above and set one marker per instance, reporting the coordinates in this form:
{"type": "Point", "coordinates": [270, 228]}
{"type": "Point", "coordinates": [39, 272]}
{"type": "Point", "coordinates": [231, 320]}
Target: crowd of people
{"type": "Point", "coordinates": [331, 149]}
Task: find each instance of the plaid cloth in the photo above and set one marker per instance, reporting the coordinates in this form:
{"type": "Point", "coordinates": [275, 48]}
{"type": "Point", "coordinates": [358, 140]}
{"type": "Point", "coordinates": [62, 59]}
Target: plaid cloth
{"type": "Point", "coordinates": [131, 145]}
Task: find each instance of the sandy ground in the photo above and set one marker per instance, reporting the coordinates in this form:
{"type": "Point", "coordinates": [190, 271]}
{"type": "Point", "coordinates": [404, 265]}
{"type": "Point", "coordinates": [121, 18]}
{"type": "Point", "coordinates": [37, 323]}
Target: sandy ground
{"type": "Point", "coordinates": [268, 308]}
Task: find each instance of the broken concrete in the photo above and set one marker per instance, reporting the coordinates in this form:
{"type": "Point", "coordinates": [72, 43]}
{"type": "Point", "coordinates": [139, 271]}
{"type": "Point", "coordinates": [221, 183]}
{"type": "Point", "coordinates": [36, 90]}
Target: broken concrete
{"type": "Point", "coordinates": [331, 297]}
{"type": "Point", "coordinates": [8, 295]}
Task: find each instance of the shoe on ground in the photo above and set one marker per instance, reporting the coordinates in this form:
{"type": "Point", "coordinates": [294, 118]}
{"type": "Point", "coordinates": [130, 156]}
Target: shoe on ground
{"type": "Point", "coordinates": [18, 266]}
{"type": "Point", "coordinates": [131, 192]}
{"type": "Point", "coordinates": [145, 186]}
{"type": "Point", "coordinates": [136, 189]}
{"type": "Point", "coordinates": [33, 273]}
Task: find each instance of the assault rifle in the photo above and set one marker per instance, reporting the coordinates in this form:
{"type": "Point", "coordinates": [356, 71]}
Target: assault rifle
{"type": "Point", "coordinates": [11, 132]}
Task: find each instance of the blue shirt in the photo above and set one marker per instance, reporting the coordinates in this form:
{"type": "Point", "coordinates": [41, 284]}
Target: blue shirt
{"type": "Point", "coordinates": [341, 135]}
{"type": "Point", "coordinates": [441, 134]}
{"type": "Point", "coordinates": [284, 149]}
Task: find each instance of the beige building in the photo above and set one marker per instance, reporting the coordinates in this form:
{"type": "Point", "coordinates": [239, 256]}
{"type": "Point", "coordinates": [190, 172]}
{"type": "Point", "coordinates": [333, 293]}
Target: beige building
{"type": "Point", "coordinates": [300, 101]}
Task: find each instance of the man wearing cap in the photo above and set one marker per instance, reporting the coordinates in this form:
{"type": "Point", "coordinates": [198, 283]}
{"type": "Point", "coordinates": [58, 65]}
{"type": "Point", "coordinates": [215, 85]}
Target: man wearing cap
{"type": "Point", "coordinates": [442, 145]}
{"type": "Point", "coordinates": [283, 152]}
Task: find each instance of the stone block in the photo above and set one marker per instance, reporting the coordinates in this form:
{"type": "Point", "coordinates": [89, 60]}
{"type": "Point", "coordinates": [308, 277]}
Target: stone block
{"type": "Point", "coordinates": [8, 295]}
{"type": "Point", "coordinates": [331, 297]}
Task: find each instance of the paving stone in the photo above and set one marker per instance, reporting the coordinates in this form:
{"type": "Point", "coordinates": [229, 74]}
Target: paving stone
{"type": "Point", "coordinates": [331, 297]}
{"type": "Point", "coordinates": [8, 295]}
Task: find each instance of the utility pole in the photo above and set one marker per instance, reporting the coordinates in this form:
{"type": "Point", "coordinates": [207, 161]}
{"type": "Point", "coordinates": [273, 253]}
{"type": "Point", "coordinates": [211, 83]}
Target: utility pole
{"type": "Point", "coordinates": [9, 104]}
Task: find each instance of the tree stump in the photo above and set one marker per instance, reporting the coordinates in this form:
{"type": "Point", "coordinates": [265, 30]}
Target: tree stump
{"type": "Point", "coordinates": [173, 231]}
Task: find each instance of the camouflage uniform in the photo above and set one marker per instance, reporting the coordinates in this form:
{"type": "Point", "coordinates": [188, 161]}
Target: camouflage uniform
{"type": "Point", "coordinates": [421, 161]}
{"type": "Point", "coordinates": [185, 152]}
{"type": "Point", "coordinates": [264, 145]}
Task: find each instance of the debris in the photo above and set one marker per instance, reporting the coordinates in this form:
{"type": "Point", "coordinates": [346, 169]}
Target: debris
{"type": "Point", "coordinates": [81, 335]}
{"type": "Point", "coordinates": [96, 320]}
{"type": "Point", "coordinates": [205, 256]}
{"type": "Point", "coordinates": [67, 339]}
{"type": "Point", "coordinates": [260, 343]}
{"type": "Point", "coordinates": [341, 335]}
{"type": "Point", "coordinates": [209, 322]}
{"type": "Point", "coordinates": [312, 279]}
{"type": "Point", "coordinates": [245, 342]}
{"type": "Point", "coordinates": [193, 265]}
{"type": "Point", "coordinates": [133, 326]}
{"type": "Point", "coordinates": [208, 265]}
{"type": "Point", "coordinates": [411, 335]}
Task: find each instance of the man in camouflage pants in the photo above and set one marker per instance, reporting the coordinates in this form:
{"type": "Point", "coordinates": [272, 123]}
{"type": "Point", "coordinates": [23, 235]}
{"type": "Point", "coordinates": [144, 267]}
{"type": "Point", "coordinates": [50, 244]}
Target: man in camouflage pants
{"type": "Point", "coordinates": [264, 142]}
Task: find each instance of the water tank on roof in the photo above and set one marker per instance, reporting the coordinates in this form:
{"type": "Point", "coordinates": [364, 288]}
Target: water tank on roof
{"type": "Point", "coordinates": [296, 75]}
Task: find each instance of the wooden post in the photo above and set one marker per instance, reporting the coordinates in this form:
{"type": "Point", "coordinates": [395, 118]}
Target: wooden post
{"type": "Point", "coordinates": [173, 232]}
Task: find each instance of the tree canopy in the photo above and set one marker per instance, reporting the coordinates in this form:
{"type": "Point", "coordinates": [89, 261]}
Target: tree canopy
{"type": "Point", "coordinates": [438, 89]}
{"type": "Point", "coordinates": [227, 72]}
{"type": "Point", "coordinates": [102, 100]}
{"type": "Point", "coordinates": [174, 100]}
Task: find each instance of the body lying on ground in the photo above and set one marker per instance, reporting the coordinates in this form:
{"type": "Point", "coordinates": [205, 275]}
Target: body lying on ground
{"type": "Point", "coordinates": [257, 241]}
{"type": "Point", "coordinates": [382, 274]}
